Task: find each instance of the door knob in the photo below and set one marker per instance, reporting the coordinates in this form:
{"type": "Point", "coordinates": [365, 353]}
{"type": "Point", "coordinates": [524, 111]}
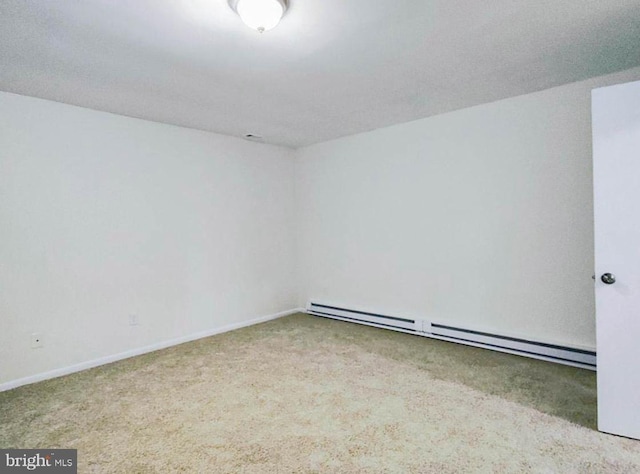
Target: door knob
{"type": "Point", "coordinates": [608, 278]}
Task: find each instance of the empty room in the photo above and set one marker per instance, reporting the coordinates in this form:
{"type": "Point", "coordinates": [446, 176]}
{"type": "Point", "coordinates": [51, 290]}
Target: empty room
{"type": "Point", "coordinates": [277, 236]}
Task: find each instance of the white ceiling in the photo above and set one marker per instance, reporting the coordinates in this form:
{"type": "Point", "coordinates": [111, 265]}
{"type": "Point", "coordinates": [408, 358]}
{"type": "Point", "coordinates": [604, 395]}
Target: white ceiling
{"type": "Point", "coordinates": [331, 68]}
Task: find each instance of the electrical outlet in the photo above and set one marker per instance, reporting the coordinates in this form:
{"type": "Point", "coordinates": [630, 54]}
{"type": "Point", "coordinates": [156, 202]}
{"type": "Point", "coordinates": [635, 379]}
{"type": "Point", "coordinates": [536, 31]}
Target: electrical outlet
{"type": "Point", "coordinates": [37, 340]}
{"type": "Point", "coordinates": [133, 319]}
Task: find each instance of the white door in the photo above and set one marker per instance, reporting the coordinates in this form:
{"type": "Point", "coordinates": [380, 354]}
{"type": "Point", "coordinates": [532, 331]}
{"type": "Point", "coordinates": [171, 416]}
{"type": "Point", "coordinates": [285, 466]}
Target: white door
{"type": "Point", "coordinates": [616, 178]}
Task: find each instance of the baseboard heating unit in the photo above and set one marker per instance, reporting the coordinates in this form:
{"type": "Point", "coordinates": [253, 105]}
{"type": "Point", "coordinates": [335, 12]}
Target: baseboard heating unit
{"type": "Point", "coordinates": [576, 357]}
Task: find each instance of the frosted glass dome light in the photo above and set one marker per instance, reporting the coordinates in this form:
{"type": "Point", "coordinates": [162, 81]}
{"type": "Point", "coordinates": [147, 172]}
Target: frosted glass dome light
{"type": "Point", "coordinates": [260, 15]}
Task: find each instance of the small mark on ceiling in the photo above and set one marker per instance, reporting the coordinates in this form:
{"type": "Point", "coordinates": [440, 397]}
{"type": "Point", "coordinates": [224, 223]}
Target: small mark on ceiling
{"type": "Point", "coordinates": [253, 137]}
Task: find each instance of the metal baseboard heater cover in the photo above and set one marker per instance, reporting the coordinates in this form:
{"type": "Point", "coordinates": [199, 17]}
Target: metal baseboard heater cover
{"type": "Point", "coordinates": [538, 350]}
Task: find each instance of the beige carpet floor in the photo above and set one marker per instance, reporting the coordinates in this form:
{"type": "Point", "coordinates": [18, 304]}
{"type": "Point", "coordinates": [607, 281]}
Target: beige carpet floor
{"type": "Point", "coordinates": [304, 394]}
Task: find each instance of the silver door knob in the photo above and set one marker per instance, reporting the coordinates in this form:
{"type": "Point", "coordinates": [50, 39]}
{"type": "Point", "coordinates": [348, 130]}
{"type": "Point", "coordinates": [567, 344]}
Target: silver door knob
{"type": "Point", "coordinates": [608, 278]}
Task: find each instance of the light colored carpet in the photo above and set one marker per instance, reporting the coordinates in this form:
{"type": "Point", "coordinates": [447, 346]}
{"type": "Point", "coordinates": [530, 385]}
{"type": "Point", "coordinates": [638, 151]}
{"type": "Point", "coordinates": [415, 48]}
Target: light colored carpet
{"type": "Point", "coordinates": [304, 394]}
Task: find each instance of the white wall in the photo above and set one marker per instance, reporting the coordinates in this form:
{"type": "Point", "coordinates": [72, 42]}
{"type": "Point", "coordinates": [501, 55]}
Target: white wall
{"type": "Point", "coordinates": [102, 216]}
{"type": "Point", "coordinates": [480, 217]}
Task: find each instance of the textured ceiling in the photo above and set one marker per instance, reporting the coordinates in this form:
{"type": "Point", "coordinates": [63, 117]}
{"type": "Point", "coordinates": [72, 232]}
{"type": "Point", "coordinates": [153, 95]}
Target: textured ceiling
{"type": "Point", "coordinates": [331, 68]}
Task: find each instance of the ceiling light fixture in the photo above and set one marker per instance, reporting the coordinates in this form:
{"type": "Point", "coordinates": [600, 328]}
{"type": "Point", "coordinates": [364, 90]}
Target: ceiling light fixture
{"type": "Point", "coordinates": [260, 15]}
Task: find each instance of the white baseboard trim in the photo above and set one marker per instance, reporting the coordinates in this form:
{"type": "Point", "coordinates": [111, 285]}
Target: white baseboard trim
{"type": "Point", "coordinates": [141, 350]}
